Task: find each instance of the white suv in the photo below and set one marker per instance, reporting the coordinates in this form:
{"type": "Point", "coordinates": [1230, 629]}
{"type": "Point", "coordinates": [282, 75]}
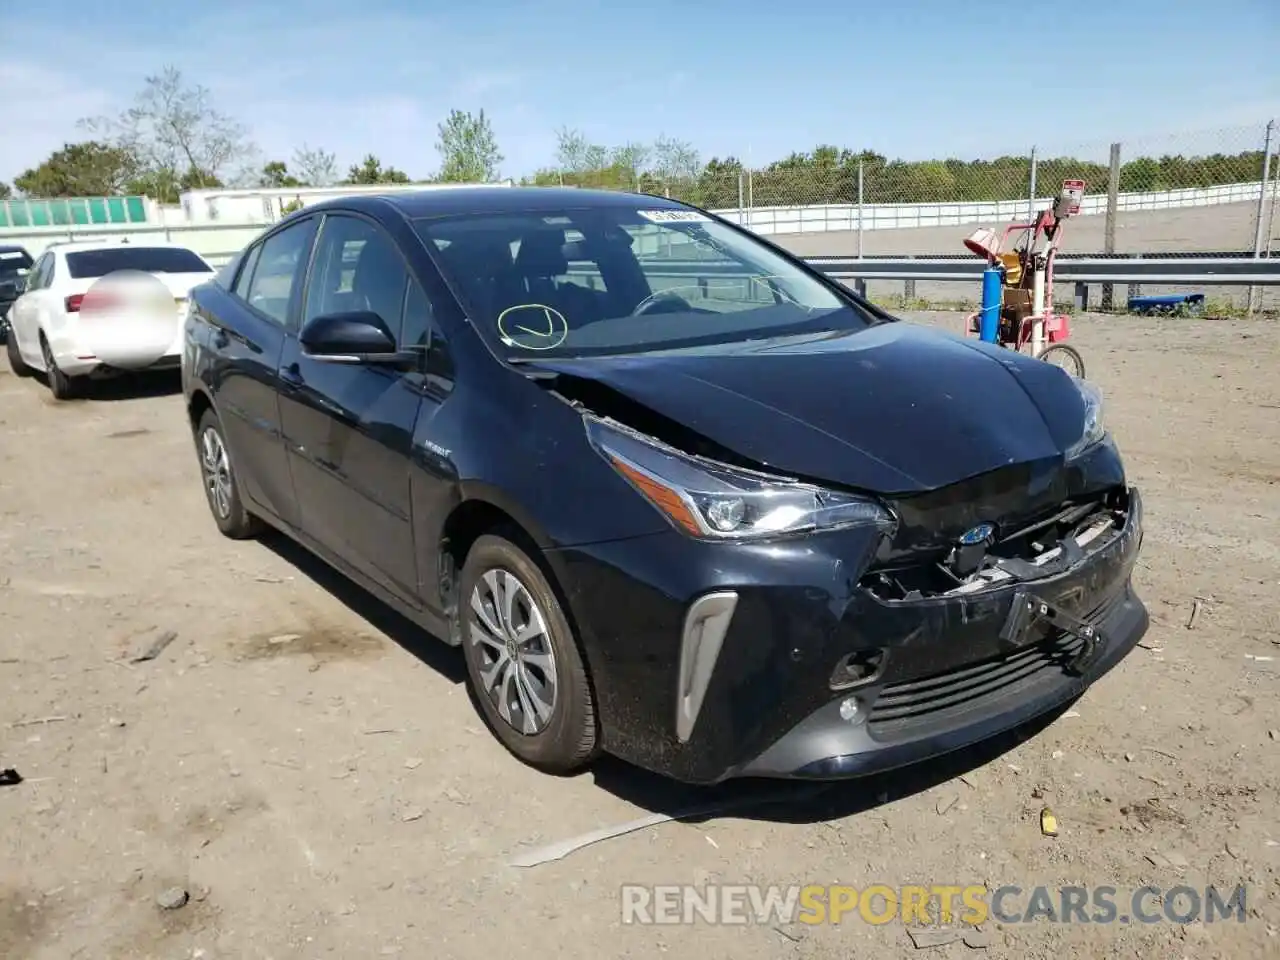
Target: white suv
{"type": "Point", "coordinates": [43, 322]}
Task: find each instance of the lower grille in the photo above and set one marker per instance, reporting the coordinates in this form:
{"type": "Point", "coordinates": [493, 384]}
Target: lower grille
{"type": "Point", "coordinates": [911, 706]}
{"type": "Point", "coordinates": [932, 701]}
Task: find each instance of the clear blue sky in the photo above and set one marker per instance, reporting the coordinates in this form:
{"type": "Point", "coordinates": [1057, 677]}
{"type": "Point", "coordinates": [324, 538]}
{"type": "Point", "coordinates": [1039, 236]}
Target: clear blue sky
{"type": "Point", "coordinates": [911, 78]}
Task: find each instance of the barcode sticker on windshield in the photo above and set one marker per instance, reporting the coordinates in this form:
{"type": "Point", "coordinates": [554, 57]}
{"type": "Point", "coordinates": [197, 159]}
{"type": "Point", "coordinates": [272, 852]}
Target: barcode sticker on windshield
{"type": "Point", "coordinates": [674, 216]}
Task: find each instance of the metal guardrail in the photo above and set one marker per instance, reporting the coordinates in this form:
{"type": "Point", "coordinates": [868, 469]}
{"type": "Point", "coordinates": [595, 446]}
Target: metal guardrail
{"type": "Point", "coordinates": [1216, 271]}
{"type": "Point", "coordinates": [1219, 269]}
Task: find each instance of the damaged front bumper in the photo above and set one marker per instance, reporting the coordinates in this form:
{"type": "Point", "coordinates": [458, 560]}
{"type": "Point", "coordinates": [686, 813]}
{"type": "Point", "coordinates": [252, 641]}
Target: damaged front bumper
{"type": "Point", "coordinates": [1020, 647]}
{"type": "Point", "coordinates": [799, 670]}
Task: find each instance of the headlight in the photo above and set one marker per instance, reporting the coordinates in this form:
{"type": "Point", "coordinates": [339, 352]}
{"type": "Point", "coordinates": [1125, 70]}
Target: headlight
{"type": "Point", "coordinates": [1093, 428]}
{"type": "Point", "coordinates": [716, 502]}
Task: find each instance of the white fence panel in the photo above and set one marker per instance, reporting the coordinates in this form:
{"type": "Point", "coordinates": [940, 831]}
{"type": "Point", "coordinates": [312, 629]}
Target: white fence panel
{"type": "Point", "coordinates": [223, 238]}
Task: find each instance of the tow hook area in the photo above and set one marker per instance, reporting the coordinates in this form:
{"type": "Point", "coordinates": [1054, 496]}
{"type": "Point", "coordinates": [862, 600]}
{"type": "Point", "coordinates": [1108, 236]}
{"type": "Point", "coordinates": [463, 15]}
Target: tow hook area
{"type": "Point", "coordinates": [1030, 611]}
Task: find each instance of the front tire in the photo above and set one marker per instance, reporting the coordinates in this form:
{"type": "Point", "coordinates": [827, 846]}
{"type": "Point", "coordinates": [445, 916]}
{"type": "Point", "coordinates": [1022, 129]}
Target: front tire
{"type": "Point", "coordinates": [523, 662]}
{"type": "Point", "coordinates": [221, 487]}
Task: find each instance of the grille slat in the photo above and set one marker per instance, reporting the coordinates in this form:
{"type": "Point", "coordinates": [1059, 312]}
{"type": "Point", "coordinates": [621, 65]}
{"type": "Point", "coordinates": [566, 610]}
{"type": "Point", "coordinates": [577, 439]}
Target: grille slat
{"type": "Point", "coordinates": [913, 705]}
{"type": "Point", "coordinates": [979, 684]}
{"type": "Point", "coordinates": [930, 700]}
{"type": "Point", "coordinates": [926, 685]}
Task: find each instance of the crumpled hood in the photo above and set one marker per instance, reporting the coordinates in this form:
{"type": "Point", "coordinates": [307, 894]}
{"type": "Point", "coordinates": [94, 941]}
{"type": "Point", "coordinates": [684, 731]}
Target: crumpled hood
{"type": "Point", "coordinates": [896, 408]}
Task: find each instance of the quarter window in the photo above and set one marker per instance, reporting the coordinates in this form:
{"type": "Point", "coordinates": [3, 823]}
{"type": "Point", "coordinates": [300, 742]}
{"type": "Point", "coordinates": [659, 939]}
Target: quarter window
{"type": "Point", "coordinates": [246, 273]}
{"type": "Point", "coordinates": [418, 332]}
{"type": "Point", "coordinates": [40, 273]}
{"type": "Point", "coordinates": [419, 321]}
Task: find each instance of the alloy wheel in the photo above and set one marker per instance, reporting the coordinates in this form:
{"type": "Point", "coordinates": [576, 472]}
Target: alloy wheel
{"type": "Point", "coordinates": [516, 659]}
{"type": "Point", "coordinates": [216, 469]}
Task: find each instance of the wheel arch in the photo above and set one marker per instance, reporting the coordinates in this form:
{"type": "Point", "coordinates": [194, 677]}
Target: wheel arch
{"type": "Point", "coordinates": [479, 515]}
{"type": "Point", "coordinates": [481, 511]}
{"type": "Point", "coordinates": [484, 510]}
{"type": "Point", "coordinates": [197, 405]}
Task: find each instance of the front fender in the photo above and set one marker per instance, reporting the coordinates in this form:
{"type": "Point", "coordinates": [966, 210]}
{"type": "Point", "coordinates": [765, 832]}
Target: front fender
{"type": "Point", "coordinates": [501, 499]}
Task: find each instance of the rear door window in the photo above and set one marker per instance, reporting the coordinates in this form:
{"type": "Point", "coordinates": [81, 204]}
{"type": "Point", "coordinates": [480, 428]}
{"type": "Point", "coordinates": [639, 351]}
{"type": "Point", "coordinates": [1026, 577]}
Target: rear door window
{"type": "Point", "coordinates": [280, 266]}
{"type": "Point", "coordinates": [85, 264]}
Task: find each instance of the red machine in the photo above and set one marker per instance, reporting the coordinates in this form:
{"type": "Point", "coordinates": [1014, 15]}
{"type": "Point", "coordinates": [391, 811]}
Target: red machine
{"type": "Point", "coordinates": [1026, 316]}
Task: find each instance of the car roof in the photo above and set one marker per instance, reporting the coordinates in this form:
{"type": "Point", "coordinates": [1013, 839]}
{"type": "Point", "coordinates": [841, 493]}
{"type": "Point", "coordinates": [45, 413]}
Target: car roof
{"type": "Point", "coordinates": [86, 246]}
{"type": "Point", "coordinates": [497, 200]}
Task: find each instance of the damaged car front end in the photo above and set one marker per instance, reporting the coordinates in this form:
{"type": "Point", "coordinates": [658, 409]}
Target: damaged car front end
{"type": "Point", "coordinates": [816, 633]}
{"type": "Point", "coordinates": [823, 546]}
{"type": "Point", "coordinates": [844, 609]}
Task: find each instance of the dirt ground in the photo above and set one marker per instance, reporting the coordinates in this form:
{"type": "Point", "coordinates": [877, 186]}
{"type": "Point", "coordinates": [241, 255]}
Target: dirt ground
{"type": "Point", "coordinates": [310, 769]}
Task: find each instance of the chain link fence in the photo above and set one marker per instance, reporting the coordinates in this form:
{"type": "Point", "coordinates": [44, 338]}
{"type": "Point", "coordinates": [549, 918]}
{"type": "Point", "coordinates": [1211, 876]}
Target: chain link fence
{"type": "Point", "coordinates": [1189, 192]}
{"type": "Point", "coordinates": [1209, 192]}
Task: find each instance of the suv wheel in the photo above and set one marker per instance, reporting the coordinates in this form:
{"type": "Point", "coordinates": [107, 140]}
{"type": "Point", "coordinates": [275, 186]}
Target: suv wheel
{"type": "Point", "coordinates": [523, 662]}
{"type": "Point", "coordinates": [221, 489]}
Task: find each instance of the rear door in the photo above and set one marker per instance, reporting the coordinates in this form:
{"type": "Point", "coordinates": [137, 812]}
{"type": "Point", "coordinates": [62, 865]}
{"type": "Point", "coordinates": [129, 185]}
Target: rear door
{"type": "Point", "coordinates": [249, 329]}
{"type": "Point", "coordinates": [349, 428]}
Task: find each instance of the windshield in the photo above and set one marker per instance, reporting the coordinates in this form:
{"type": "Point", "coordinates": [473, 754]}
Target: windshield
{"type": "Point", "coordinates": [99, 263]}
{"type": "Point", "coordinates": [11, 261]}
{"type": "Point", "coordinates": [611, 280]}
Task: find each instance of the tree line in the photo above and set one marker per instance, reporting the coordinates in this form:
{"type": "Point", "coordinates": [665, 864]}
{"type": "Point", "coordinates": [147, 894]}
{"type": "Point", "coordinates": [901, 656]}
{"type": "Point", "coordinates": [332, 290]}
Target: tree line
{"type": "Point", "coordinates": [173, 138]}
{"type": "Point", "coordinates": [830, 175]}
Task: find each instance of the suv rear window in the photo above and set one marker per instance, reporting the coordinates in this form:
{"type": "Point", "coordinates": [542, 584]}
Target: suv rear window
{"type": "Point", "coordinates": [98, 263]}
{"type": "Point", "coordinates": [11, 261]}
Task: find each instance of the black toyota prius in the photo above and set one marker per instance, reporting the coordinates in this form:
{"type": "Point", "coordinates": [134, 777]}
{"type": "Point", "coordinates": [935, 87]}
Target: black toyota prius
{"type": "Point", "coordinates": [676, 495]}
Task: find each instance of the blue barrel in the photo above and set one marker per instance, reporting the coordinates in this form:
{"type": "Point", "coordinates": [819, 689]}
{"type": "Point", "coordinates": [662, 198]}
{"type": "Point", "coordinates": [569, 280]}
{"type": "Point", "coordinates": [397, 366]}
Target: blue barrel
{"type": "Point", "coordinates": [992, 293]}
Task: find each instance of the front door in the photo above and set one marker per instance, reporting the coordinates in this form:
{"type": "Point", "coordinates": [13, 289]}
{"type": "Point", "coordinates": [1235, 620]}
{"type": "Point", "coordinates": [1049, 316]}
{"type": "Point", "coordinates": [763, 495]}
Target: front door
{"type": "Point", "coordinates": [349, 428]}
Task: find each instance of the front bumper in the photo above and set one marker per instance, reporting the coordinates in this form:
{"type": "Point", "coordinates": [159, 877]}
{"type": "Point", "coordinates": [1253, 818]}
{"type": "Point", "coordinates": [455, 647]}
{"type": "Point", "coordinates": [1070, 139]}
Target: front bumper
{"type": "Point", "coordinates": [942, 679]}
{"type": "Point", "coordinates": [952, 711]}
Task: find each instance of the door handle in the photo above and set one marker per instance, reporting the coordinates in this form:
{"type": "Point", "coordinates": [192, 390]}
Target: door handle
{"type": "Point", "coordinates": [291, 376]}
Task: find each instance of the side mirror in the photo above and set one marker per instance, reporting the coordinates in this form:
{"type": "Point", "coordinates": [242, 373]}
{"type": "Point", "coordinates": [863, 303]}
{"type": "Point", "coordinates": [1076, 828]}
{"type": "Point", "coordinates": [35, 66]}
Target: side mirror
{"type": "Point", "coordinates": [356, 337]}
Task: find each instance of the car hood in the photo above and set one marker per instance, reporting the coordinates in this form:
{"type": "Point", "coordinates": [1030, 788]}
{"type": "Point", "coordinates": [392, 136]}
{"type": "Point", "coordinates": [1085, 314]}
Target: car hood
{"type": "Point", "coordinates": [896, 408]}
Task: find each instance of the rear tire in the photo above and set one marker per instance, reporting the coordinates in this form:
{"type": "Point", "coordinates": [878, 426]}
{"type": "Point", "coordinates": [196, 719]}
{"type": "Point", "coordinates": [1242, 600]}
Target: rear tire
{"type": "Point", "coordinates": [221, 487]}
{"type": "Point", "coordinates": [1067, 357]}
{"type": "Point", "coordinates": [61, 386]}
{"type": "Point", "coordinates": [524, 665]}
{"type": "Point", "coordinates": [16, 363]}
